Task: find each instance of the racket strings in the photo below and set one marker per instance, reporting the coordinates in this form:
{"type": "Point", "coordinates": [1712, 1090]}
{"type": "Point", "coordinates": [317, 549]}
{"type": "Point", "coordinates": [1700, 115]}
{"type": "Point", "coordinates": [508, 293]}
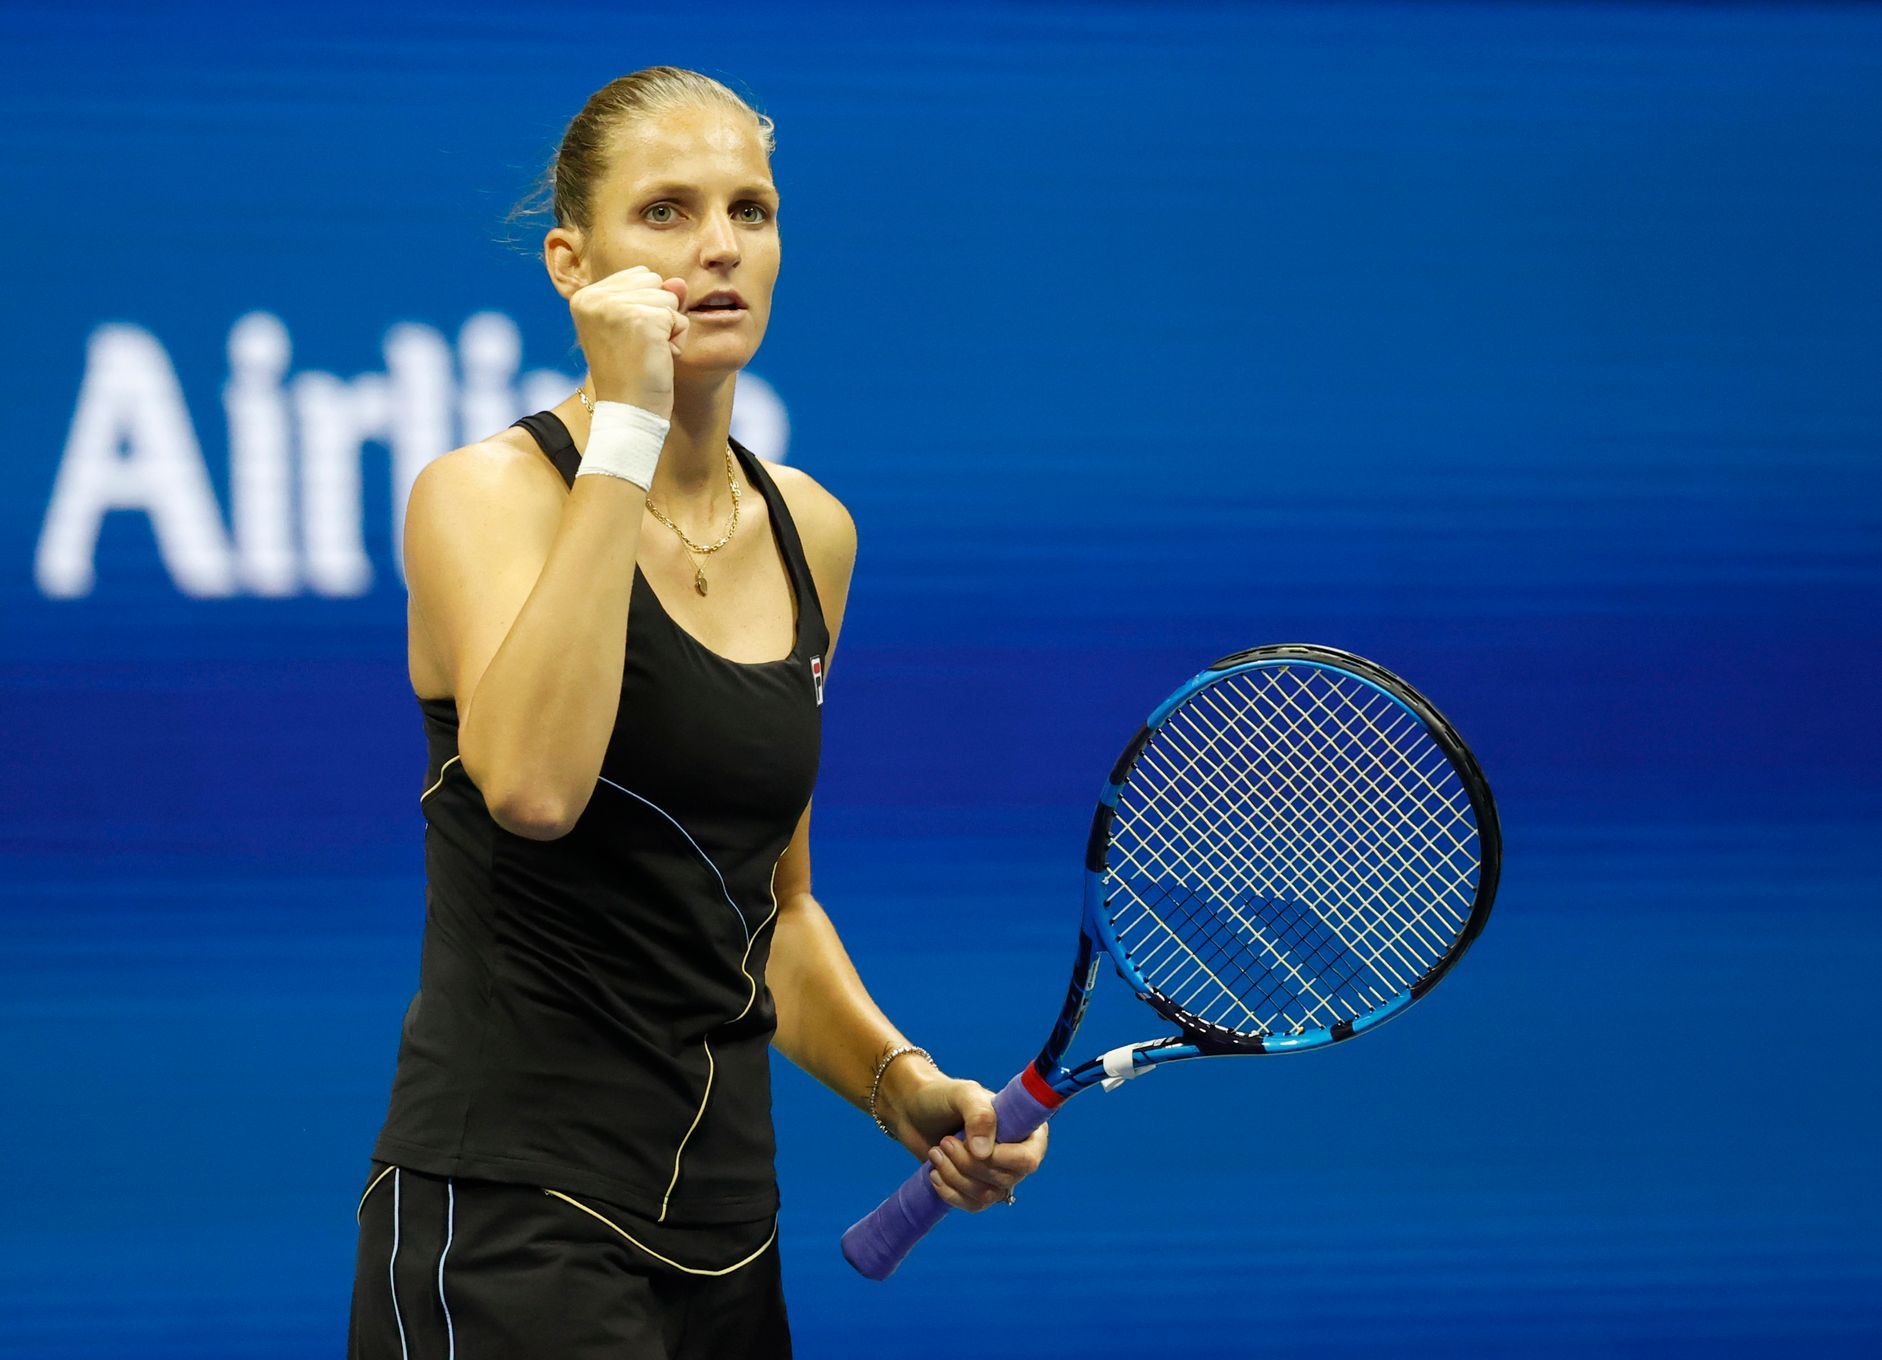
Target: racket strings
{"type": "Point", "coordinates": [1291, 848]}
{"type": "Point", "coordinates": [1347, 809]}
{"type": "Point", "coordinates": [1333, 849]}
{"type": "Point", "coordinates": [1310, 962]}
{"type": "Point", "coordinates": [1330, 846]}
{"type": "Point", "coordinates": [1217, 882]}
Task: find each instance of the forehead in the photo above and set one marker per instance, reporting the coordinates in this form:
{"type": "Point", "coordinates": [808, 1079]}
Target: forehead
{"type": "Point", "coordinates": [694, 144]}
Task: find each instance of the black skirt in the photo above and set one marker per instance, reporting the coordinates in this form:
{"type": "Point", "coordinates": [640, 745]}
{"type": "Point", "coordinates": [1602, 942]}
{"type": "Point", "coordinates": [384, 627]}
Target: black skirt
{"type": "Point", "coordinates": [451, 1268]}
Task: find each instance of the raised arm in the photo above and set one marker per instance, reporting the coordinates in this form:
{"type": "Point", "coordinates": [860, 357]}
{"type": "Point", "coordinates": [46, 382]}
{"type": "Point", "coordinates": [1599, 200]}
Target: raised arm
{"type": "Point", "coordinates": [522, 588]}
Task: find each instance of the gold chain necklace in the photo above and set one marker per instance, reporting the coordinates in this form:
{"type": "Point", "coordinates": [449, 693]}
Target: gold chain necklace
{"type": "Point", "coordinates": [699, 575]}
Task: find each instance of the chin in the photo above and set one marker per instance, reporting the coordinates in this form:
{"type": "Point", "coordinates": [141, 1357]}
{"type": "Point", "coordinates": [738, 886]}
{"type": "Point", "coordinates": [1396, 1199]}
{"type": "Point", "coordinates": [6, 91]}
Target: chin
{"type": "Point", "coordinates": [714, 359]}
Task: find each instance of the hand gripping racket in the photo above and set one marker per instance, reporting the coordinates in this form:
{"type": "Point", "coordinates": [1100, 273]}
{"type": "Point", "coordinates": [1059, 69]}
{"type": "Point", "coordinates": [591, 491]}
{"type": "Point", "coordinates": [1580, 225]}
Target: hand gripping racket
{"type": "Point", "coordinates": [1295, 848]}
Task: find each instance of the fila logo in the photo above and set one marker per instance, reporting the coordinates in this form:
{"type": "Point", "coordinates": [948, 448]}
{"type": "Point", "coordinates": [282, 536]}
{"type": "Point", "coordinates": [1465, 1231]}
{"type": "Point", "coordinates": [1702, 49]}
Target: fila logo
{"type": "Point", "coordinates": [816, 677]}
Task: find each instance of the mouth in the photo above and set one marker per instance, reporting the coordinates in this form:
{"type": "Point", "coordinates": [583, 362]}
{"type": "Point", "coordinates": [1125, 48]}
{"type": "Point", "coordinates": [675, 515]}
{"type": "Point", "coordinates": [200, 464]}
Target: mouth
{"type": "Point", "coordinates": [719, 305]}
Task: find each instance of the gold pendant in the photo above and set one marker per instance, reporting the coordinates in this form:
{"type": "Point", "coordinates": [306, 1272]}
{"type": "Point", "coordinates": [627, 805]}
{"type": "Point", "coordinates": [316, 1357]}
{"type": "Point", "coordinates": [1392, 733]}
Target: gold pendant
{"type": "Point", "coordinates": [699, 580]}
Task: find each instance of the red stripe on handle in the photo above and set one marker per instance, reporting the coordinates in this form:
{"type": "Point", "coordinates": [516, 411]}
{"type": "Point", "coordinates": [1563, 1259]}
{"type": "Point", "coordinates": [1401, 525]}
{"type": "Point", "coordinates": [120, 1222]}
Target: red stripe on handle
{"type": "Point", "coordinates": [1036, 1088]}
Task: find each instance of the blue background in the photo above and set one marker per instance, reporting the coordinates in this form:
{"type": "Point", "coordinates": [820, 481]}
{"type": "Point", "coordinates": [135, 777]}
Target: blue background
{"type": "Point", "coordinates": [1530, 350]}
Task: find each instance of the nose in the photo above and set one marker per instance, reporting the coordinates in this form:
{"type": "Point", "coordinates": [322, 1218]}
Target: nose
{"type": "Point", "coordinates": [718, 242]}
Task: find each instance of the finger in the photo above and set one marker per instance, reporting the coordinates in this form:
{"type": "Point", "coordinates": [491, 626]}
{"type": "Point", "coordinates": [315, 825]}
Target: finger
{"type": "Point", "coordinates": [956, 1188]}
{"type": "Point", "coordinates": [974, 1172]}
{"type": "Point", "coordinates": [1014, 1160]}
{"type": "Point", "coordinates": [639, 285]}
{"type": "Point", "coordinates": [634, 276]}
{"type": "Point", "coordinates": [949, 1195]}
{"type": "Point", "coordinates": [980, 1125]}
{"type": "Point", "coordinates": [1027, 1152]}
{"type": "Point", "coordinates": [664, 298]}
{"type": "Point", "coordinates": [625, 282]}
{"type": "Point", "coordinates": [652, 308]}
{"type": "Point", "coordinates": [967, 1177]}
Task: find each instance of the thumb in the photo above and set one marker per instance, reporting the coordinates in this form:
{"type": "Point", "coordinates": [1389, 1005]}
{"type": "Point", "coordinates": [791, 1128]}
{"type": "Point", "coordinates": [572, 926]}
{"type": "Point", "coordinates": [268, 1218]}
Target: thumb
{"type": "Point", "coordinates": [979, 1124]}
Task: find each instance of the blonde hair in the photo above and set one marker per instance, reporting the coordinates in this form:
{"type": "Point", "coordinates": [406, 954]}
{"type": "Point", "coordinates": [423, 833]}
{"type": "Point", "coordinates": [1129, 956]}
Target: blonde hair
{"type": "Point", "coordinates": [566, 187]}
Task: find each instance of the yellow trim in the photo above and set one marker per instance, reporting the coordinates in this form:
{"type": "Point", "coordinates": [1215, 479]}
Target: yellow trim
{"type": "Point", "coordinates": [375, 1180]}
{"type": "Point", "coordinates": [704, 1097]}
{"type": "Point", "coordinates": [751, 996]}
{"type": "Point", "coordinates": [751, 981]}
{"type": "Point", "coordinates": [690, 1270]}
{"type": "Point", "coordinates": [441, 769]}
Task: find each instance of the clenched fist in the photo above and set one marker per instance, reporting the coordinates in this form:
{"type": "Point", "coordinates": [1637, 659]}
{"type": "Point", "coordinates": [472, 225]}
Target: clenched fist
{"type": "Point", "coordinates": [631, 328]}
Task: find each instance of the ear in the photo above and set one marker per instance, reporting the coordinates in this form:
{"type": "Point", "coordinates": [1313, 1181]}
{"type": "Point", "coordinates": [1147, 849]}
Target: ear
{"type": "Point", "coordinates": [562, 257]}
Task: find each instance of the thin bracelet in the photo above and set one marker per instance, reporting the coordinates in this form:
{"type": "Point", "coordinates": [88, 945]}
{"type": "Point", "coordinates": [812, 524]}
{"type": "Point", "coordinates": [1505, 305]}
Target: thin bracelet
{"type": "Point", "coordinates": [875, 1086]}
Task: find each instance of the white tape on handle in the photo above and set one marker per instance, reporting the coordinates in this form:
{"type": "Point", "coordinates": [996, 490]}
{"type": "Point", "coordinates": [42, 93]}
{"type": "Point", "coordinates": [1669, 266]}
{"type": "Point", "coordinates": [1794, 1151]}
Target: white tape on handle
{"type": "Point", "coordinates": [1120, 1066]}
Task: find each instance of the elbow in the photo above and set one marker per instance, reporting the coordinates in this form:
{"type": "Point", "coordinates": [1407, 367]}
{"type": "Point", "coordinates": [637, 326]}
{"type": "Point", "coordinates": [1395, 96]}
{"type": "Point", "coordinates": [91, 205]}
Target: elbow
{"type": "Point", "coordinates": [528, 808]}
{"type": "Point", "coordinates": [534, 818]}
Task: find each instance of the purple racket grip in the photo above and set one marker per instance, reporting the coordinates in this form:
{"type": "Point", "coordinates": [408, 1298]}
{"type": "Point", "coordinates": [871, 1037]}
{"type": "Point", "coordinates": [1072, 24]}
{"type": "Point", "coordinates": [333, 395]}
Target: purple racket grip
{"type": "Point", "coordinates": [875, 1245]}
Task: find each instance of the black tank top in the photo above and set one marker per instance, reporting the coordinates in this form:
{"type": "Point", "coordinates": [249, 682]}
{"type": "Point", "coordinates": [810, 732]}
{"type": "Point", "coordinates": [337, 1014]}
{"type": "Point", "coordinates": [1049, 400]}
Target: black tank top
{"type": "Point", "coordinates": [592, 1013]}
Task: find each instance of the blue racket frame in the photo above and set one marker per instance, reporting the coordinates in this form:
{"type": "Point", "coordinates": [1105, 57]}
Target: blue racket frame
{"type": "Point", "coordinates": [1098, 940]}
{"type": "Point", "coordinates": [876, 1244]}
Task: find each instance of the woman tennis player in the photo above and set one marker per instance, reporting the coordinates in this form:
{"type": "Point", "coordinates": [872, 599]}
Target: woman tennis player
{"type": "Point", "coordinates": [620, 626]}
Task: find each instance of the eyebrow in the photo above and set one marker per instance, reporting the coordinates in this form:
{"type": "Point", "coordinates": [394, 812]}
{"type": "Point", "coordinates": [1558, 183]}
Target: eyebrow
{"type": "Point", "coordinates": [674, 188]}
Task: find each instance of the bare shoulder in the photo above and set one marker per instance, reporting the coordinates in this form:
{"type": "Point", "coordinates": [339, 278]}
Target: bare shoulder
{"type": "Point", "coordinates": [823, 522]}
{"type": "Point", "coordinates": [479, 525]}
{"type": "Point", "coordinates": [506, 467]}
{"type": "Point", "coordinates": [829, 538]}
{"type": "Point", "coordinates": [488, 508]}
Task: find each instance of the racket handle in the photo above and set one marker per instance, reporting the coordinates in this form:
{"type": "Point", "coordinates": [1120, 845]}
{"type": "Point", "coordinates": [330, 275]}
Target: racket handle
{"type": "Point", "coordinates": [875, 1245]}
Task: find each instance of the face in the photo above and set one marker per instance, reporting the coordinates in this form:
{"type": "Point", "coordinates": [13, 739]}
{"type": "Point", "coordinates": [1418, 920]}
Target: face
{"type": "Point", "coordinates": [688, 194]}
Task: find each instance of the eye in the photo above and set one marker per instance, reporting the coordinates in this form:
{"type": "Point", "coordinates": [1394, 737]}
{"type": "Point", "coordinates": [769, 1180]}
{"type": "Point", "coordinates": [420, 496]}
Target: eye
{"type": "Point", "coordinates": [764, 213]}
{"type": "Point", "coordinates": [658, 207]}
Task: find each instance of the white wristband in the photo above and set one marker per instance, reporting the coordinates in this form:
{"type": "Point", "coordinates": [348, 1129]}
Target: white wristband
{"type": "Point", "coordinates": [624, 441]}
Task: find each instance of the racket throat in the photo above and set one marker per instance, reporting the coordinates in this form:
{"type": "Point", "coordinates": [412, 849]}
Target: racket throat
{"type": "Point", "coordinates": [1120, 1065]}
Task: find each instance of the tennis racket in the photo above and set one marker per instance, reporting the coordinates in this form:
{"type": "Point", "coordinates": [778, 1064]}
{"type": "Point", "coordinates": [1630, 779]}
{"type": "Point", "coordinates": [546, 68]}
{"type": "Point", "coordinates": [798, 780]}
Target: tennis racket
{"type": "Point", "coordinates": [1295, 847]}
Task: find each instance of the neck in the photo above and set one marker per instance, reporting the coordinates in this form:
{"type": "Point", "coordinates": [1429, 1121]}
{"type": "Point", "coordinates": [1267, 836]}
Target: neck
{"type": "Point", "coordinates": [692, 465]}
